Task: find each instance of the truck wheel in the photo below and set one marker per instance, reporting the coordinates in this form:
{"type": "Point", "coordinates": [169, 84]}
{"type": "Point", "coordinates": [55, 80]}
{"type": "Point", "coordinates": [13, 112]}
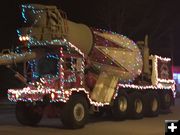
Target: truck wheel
{"type": "Point", "coordinates": [75, 112]}
{"type": "Point", "coordinates": [166, 99]}
{"type": "Point", "coordinates": [27, 114]}
{"type": "Point", "coordinates": [152, 104]}
{"type": "Point", "coordinates": [121, 106]}
{"type": "Point", "coordinates": [136, 109]}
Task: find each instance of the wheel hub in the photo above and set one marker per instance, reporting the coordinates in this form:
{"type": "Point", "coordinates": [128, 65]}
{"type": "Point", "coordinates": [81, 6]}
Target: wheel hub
{"type": "Point", "coordinates": [79, 112]}
{"type": "Point", "coordinates": [154, 105]}
{"type": "Point", "coordinates": [122, 104]}
{"type": "Point", "coordinates": [167, 98]}
{"type": "Point", "coordinates": [138, 105]}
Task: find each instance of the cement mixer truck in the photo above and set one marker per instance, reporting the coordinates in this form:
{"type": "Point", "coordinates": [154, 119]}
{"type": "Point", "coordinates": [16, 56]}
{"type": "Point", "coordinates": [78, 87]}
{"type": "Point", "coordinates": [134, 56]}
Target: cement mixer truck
{"type": "Point", "coordinates": [76, 70]}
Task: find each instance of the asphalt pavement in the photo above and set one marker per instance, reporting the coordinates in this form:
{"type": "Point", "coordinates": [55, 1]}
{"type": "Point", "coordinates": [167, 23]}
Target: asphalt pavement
{"type": "Point", "coordinates": [98, 126]}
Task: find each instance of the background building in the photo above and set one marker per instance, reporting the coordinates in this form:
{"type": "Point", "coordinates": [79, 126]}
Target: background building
{"type": "Point", "coordinates": [176, 76]}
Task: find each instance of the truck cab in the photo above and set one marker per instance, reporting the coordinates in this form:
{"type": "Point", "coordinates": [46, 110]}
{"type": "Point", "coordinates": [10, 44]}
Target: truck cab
{"type": "Point", "coordinates": [55, 69]}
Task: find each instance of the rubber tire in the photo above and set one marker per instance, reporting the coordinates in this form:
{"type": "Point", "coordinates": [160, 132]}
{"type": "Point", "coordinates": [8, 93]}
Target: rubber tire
{"type": "Point", "coordinates": [67, 115]}
{"type": "Point", "coordinates": [149, 98]}
{"type": "Point", "coordinates": [26, 115]}
{"type": "Point", "coordinates": [132, 110]}
{"type": "Point", "coordinates": [116, 112]}
{"type": "Point", "coordinates": [165, 105]}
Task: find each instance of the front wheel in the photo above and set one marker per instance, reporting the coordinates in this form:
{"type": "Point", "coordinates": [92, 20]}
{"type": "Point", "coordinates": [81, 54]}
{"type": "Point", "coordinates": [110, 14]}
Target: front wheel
{"type": "Point", "coordinates": [75, 112]}
{"type": "Point", "coordinates": [28, 114]}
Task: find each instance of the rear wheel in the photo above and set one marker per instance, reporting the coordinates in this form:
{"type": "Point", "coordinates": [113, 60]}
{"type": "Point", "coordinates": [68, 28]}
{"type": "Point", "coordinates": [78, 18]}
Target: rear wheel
{"type": "Point", "coordinates": [136, 110]}
{"type": "Point", "coordinates": [152, 104]}
{"type": "Point", "coordinates": [75, 112]}
{"type": "Point", "coordinates": [28, 114]}
{"type": "Point", "coordinates": [166, 99]}
{"type": "Point", "coordinates": [121, 106]}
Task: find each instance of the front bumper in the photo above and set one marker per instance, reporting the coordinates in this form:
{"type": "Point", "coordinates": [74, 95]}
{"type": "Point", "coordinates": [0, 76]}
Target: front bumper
{"type": "Point", "coordinates": [28, 94]}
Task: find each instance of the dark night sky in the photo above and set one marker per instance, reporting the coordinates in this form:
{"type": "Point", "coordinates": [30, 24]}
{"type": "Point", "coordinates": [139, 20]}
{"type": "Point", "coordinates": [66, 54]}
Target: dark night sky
{"type": "Point", "coordinates": [160, 19]}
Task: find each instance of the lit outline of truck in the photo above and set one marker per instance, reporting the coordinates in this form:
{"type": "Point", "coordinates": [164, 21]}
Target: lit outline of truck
{"type": "Point", "coordinates": [73, 102]}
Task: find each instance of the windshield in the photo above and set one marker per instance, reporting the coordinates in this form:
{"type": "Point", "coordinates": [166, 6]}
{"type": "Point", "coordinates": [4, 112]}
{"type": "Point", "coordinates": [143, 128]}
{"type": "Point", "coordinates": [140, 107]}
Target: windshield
{"type": "Point", "coordinates": [47, 66]}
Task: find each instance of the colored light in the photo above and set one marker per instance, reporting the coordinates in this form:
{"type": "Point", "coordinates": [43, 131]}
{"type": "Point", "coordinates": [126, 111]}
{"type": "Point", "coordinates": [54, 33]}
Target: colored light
{"type": "Point", "coordinates": [52, 96]}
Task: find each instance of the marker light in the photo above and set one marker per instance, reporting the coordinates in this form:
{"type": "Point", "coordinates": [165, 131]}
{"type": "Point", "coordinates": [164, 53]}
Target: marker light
{"type": "Point", "coordinates": [24, 38]}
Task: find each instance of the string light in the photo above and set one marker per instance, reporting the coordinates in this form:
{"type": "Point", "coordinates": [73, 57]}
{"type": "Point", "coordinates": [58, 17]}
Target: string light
{"type": "Point", "coordinates": [155, 77]}
{"type": "Point", "coordinates": [112, 49]}
{"type": "Point", "coordinates": [35, 91]}
{"type": "Point", "coordinates": [139, 87]}
{"type": "Point", "coordinates": [29, 94]}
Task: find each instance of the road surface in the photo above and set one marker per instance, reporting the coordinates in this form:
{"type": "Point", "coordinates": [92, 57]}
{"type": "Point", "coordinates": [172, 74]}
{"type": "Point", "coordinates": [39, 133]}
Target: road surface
{"type": "Point", "coordinates": [101, 126]}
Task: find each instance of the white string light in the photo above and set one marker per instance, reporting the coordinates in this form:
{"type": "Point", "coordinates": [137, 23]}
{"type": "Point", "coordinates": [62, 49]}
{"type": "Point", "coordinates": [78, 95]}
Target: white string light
{"type": "Point", "coordinates": [36, 91]}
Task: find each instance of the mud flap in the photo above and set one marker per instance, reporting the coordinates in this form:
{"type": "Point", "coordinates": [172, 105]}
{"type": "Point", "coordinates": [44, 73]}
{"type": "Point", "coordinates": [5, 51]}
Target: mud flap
{"type": "Point", "coordinates": [104, 88]}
